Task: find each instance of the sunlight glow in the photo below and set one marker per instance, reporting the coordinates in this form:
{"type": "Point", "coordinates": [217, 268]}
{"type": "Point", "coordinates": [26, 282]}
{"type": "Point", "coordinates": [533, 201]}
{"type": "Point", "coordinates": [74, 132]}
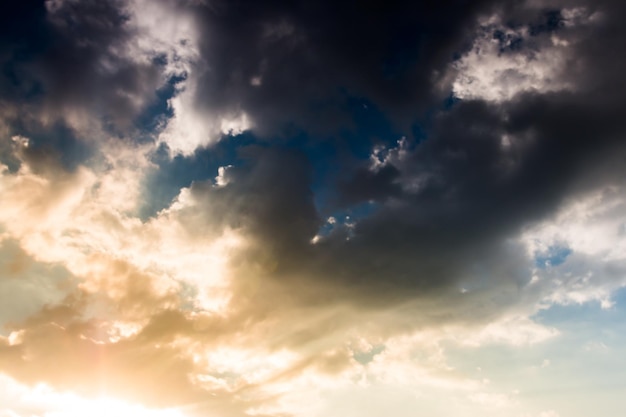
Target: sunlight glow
{"type": "Point", "coordinates": [106, 407]}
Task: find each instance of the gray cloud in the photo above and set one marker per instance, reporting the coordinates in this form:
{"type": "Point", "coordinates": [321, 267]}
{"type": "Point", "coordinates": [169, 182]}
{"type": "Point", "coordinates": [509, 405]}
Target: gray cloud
{"type": "Point", "coordinates": [449, 204]}
{"type": "Point", "coordinates": [78, 67]}
{"type": "Point", "coordinates": [443, 244]}
{"type": "Point", "coordinates": [293, 64]}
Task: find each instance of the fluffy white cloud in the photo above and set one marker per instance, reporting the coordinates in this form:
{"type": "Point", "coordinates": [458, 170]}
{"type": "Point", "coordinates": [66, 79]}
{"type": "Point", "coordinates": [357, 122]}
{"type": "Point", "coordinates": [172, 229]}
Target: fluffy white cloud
{"type": "Point", "coordinates": [505, 61]}
{"type": "Point", "coordinates": [581, 251]}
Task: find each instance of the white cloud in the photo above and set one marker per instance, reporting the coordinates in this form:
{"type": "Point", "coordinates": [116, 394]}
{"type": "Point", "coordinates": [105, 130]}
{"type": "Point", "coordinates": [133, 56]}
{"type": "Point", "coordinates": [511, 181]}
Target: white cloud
{"type": "Point", "coordinates": [590, 226]}
{"type": "Point", "coordinates": [86, 221]}
{"type": "Point", "coordinates": [487, 73]}
{"type": "Point", "coordinates": [193, 127]}
{"type": "Point", "coordinates": [504, 61]}
{"type": "Point", "coordinates": [515, 331]}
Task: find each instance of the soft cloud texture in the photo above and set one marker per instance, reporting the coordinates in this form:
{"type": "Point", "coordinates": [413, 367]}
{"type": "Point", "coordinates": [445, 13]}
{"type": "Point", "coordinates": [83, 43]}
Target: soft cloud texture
{"type": "Point", "coordinates": [363, 210]}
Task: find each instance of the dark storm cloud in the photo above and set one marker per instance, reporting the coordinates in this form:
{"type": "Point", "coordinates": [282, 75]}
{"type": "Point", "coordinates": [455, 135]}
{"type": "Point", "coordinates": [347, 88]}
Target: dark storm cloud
{"type": "Point", "coordinates": [404, 251]}
{"type": "Point", "coordinates": [447, 202]}
{"type": "Point", "coordinates": [296, 63]}
{"type": "Point", "coordinates": [474, 191]}
{"type": "Point", "coordinates": [268, 196]}
{"type": "Point", "coordinates": [74, 65]}
{"type": "Point", "coordinates": [451, 203]}
{"type": "Point", "coordinates": [439, 242]}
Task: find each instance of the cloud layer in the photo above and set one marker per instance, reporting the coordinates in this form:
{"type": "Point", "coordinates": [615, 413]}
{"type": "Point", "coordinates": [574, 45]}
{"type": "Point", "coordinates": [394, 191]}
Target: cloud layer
{"type": "Point", "coordinates": [275, 209]}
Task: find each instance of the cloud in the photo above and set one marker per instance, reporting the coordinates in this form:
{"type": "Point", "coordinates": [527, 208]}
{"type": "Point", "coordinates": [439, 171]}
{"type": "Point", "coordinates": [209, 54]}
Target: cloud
{"type": "Point", "coordinates": [506, 61]}
{"type": "Point", "coordinates": [26, 284]}
{"type": "Point", "coordinates": [277, 66]}
{"type": "Point", "coordinates": [89, 70]}
{"type": "Point", "coordinates": [274, 276]}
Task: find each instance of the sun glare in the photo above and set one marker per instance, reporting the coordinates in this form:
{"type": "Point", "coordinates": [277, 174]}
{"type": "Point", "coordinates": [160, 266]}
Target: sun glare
{"type": "Point", "coordinates": [106, 407]}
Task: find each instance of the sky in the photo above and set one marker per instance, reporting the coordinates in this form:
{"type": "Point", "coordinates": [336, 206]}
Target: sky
{"type": "Point", "coordinates": [312, 208]}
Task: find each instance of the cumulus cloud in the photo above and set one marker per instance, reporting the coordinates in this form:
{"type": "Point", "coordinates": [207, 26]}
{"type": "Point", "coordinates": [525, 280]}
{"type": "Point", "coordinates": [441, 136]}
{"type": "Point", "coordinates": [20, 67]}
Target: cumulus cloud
{"type": "Point", "coordinates": [301, 253]}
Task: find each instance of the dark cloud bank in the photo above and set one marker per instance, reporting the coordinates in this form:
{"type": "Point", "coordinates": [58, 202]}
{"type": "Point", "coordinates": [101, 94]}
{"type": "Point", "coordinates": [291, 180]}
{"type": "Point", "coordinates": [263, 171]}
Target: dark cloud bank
{"type": "Point", "coordinates": [448, 202]}
{"type": "Point", "coordinates": [445, 203]}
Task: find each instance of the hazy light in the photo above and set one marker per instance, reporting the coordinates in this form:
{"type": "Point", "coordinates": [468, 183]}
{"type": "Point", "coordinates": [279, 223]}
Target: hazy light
{"type": "Point", "coordinates": [105, 407]}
